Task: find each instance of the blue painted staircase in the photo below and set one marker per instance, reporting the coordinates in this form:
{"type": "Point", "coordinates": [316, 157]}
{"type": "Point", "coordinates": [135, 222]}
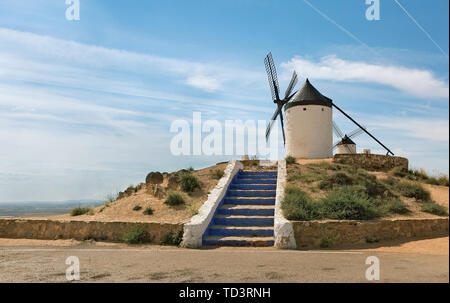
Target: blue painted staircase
{"type": "Point", "coordinates": [245, 217]}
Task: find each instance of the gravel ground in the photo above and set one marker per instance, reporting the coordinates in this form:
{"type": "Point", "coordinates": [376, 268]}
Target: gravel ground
{"type": "Point", "coordinates": [45, 261]}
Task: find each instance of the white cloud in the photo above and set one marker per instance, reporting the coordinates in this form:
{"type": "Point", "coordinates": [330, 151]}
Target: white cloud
{"type": "Point", "coordinates": [63, 53]}
{"type": "Point", "coordinates": [209, 84]}
{"type": "Point", "coordinates": [419, 128]}
{"type": "Point", "coordinates": [417, 82]}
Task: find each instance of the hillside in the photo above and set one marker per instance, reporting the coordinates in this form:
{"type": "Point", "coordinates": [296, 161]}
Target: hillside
{"type": "Point", "coordinates": [324, 190]}
{"type": "Point", "coordinates": [131, 203]}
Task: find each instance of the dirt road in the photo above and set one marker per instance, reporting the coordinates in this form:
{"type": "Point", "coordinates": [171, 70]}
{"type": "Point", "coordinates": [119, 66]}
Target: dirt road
{"type": "Point", "coordinates": [41, 261]}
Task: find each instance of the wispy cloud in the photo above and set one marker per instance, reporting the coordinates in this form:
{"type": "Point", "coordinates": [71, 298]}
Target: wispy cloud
{"type": "Point", "coordinates": [416, 82]}
{"type": "Point", "coordinates": [206, 76]}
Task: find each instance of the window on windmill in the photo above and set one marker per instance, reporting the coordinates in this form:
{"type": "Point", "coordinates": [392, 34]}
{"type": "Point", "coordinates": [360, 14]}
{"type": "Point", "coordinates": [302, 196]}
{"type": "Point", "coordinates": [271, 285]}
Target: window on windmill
{"type": "Point", "coordinates": [323, 109]}
{"type": "Point", "coordinates": [304, 108]}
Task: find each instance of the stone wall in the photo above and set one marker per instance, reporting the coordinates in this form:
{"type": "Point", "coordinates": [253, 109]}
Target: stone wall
{"type": "Point", "coordinates": [283, 230]}
{"type": "Point", "coordinates": [371, 161]}
{"type": "Point", "coordinates": [79, 230]}
{"type": "Point", "coordinates": [315, 234]}
{"type": "Point", "coordinates": [196, 227]}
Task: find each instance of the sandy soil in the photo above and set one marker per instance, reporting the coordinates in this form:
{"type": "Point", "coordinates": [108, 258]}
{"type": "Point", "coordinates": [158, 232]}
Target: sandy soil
{"type": "Point", "coordinates": [309, 161]}
{"type": "Point", "coordinates": [122, 209]}
{"type": "Point", "coordinates": [407, 262]}
{"type": "Point", "coordinates": [439, 194]}
{"type": "Point", "coordinates": [436, 246]}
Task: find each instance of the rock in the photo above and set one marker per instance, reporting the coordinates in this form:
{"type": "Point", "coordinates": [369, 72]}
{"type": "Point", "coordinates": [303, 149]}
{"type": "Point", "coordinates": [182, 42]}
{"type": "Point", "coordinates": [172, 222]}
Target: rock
{"type": "Point", "coordinates": [130, 190]}
{"type": "Point", "coordinates": [154, 178]}
{"type": "Point", "coordinates": [172, 182]}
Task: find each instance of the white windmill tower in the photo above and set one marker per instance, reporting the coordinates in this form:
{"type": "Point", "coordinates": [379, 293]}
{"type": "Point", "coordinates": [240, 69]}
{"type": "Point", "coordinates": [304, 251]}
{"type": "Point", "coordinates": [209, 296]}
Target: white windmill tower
{"type": "Point", "coordinates": [309, 118]}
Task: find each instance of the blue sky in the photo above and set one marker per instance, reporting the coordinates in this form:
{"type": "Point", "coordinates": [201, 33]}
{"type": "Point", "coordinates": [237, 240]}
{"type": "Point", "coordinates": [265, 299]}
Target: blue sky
{"type": "Point", "coordinates": [86, 106]}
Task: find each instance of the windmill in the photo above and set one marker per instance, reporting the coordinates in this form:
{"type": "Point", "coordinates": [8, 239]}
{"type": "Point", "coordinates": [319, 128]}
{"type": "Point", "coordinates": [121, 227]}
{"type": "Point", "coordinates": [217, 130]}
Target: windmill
{"type": "Point", "coordinates": [308, 117]}
{"type": "Point", "coordinates": [275, 90]}
{"type": "Point", "coordinates": [345, 145]}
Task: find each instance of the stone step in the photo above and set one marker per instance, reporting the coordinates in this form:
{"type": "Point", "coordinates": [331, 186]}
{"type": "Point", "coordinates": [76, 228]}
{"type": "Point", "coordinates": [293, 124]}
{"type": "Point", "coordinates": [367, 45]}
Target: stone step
{"type": "Point", "coordinates": [262, 177]}
{"type": "Point", "coordinates": [250, 193]}
{"type": "Point", "coordinates": [238, 241]}
{"type": "Point", "coordinates": [240, 220]}
{"type": "Point", "coordinates": [247, 231]}
{"type": "Point", "coordinates": [253, 186]}
{"type": "Point", "coordinates": [246, 210]}
{"type": "Point", "coordinates": [250, 201]}
{"type": "Point", "coordinates": [255, 181]}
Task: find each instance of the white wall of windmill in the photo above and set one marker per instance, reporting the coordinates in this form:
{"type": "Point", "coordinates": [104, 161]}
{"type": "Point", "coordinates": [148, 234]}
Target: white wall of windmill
{"type": "Point", "coordinates": [309, 133]}
{"type": "Point", "coordinates": [346, 149]}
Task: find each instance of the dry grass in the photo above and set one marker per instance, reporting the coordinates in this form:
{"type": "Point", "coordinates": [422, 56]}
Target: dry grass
{"type": "Point", "coordinates": [122, 209]}
{"type": "Point", "coordinates": [395, 197]}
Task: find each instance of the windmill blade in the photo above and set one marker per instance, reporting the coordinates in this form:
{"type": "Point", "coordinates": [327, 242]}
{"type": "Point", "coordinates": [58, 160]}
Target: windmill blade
{"type": "Point", "coordinates": [282, 126]}
{"type": "Point", "coordinates": [291, 85]}
{"type": "Point", "coordinates": [337, 131]}
{"type": "Point", "coordinates": [348, 149]}
{"type": "Point", "coordinates": [356, 132]}
{"type": "Point", "coordinates": [272, 121]}
{"type": "Point", "coordinates": [272, 76]}
{"type": "Point", "coordinates": [336, 144]}
{"type": "Point", "coordinates": [357, 124]}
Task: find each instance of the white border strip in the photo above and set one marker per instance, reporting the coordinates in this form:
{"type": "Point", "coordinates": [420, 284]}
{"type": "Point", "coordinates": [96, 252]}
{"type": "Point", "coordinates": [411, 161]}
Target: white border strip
{"type": "Point", "coordinates": [196, 227]}
{"type": "Point", "coordinates": [283, 229]}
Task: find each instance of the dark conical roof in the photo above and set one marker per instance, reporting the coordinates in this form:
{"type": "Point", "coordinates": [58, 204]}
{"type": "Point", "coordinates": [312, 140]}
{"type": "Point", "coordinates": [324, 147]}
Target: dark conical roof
{"type": "Point", "coordinates": [308, 95]}
{"type": "Point", "coordinates": [346, 141]}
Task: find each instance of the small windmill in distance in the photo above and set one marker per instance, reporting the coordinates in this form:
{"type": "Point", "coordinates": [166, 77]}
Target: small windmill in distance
{"type": "Point", "coordinates": [309, 116]}
{"type": "Point", "coordinates": [346, 145]}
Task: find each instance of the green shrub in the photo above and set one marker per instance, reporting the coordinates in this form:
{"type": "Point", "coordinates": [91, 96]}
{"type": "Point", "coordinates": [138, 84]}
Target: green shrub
{"type": "Point", "coordinates": [372, 239]}
{"type": "Point", "coordinates": [373, 187]}
{"type": "Point", "coordinates": [189, 182]}
{"type": "Point", "coordinates": [172, 238]}
{"type": "Point", "coordinates": [400, 171]}
{"type": "Point", "coordinates": [297, 205]}
{"type": "Point", "coordinates": [136, 235]}
{"type": "Point", "coordinates": [137, 207]}
{"type": "Point", "coordinates": [216, 174]}
{"type": "Point", "coordinates": [327, 242]}
{"type": "Point", "coordinates": [329, 166]}
{"type": "Point", "coordinates": [441, 181]}
{"type": "Point", "coordinates": [174, 198]}
{"type": "Point", "coordinates": [413, 190]}
{"type": "Point", "coordinates": [349, 203]}
{"type": "Point", "coordinates": [434, 209]}
{"type": "Point", "coordinates": [339, 179]}
{"type": "Point", "coordinates": [418, 174]}
{"type": "Point", "coordinates": [78, 211]}
{"type": "Point", "coordinates": [307, 178]}
{"type": "Point", "coordinates": [396, 206]}
{"type": "Point", "coordinates": [148, 211]}
{"type": "Point", "coordinates": [290, 160]}
{"type": "Point", "coordinates": [390, 181]}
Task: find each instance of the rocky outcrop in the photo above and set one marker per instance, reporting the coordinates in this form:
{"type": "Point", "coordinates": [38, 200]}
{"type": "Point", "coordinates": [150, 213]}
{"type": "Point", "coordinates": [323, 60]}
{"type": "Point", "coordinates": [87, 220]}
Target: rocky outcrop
{"type": "Point", "coordinates": [154, 178]}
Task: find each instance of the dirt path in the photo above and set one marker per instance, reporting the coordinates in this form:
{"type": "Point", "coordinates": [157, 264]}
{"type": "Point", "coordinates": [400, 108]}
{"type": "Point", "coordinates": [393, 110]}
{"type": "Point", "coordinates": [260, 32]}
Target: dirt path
{"type": "Point", "coordinates": [22, 261]}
